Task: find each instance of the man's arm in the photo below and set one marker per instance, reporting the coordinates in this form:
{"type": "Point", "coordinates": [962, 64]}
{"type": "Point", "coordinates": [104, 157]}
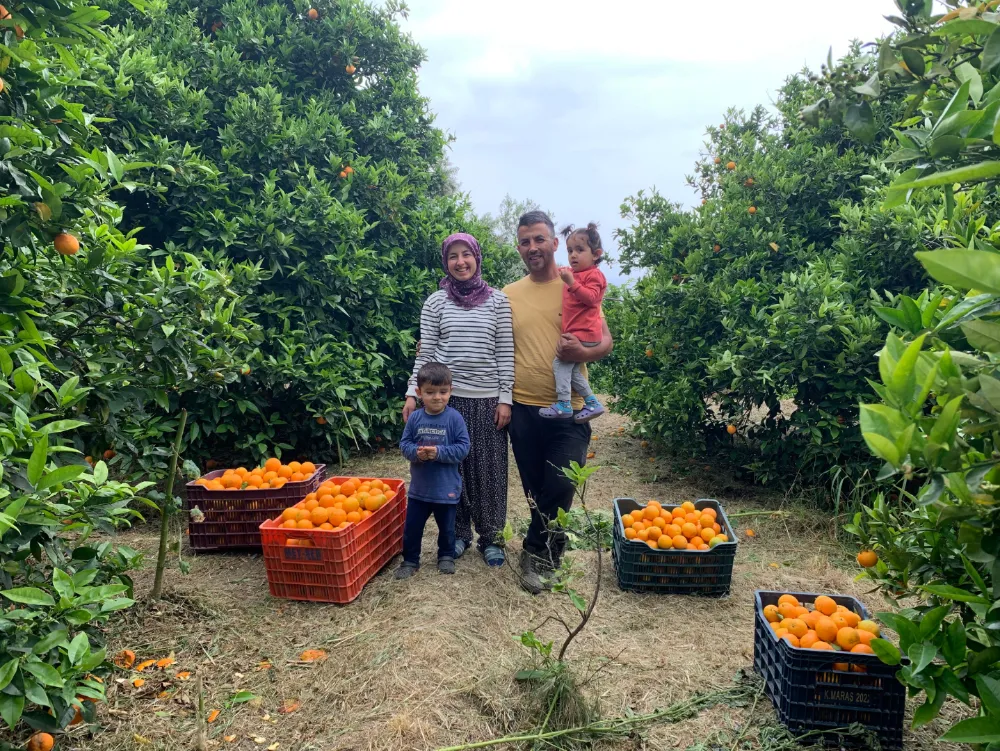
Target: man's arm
{"type": "Point", "coordinates": [570, 349]}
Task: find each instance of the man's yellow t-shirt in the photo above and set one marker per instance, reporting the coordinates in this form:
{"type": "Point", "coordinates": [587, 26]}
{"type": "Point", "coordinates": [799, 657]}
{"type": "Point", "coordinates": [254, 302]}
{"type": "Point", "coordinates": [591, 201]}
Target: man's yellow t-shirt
{"type": "Point", "coordinates": [537, 315]}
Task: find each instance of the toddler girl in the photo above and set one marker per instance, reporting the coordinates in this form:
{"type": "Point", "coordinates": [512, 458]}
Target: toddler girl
{"type": "Point", "coordinates": [581, 316]}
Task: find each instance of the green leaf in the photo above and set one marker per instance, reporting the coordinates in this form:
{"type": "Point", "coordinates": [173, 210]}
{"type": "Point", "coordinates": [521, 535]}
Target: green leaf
{"type": "Point", "coordinates": [62, 426]}
{"type": "Point", "coordinates": [980, 662]}
{"type": "Point", "coordinates": [946, 423]}
{"type": "Point", "coordinates": [29, 596]}
{"type": "Point", "coordinates": [100, 473]}
{"type": "Point", "coordinates": [60, 475]}
{"type": "Point", "coordinates": [929, 710]}
{"type": "Point", "coordinates": [49, 641]}
{"type": "Point", "coordinates": [62, 583]}
{"type": "Point", "coordinates": [921, 655]}
{"type": "Point", "coordinates": [531, 675]}
{"type": "Point", "coordinates": [932, 621]}
{"type": "Point", "coordinates": [7, 672]}
{"type": "Point", "coordinates": [954, 644]}
{"type": "Point", "coordinates": [903, 378]}
{"type": "Point", "coordinates": [974, 730]}
{"type": "Point", "coordinates": [39, 454]}
{"type": "Point", "coordinates": [886, 651]}
{"type": "Point", "coordinates": [914, 61]}
{"type": "Point", "coordinates": [989, 693]}
{"type": "Point", "coordinates": [45, 673]}
{"type": "Point", "coordinates": [78, 617]}
{"type": "Point", "coordinates": [906, 629]}
{"type": "Point", "coordinates": [967, 74]}
{"type": "Point", "coordinates": [578, 602]}
{"type": "Point", "coordinates": [990, 58]}
{"type": "Point", "coordinates": [983, 335]}
{"type": "Point", "coordinates": [11, 708]}
{"type": "Point", "coordinates": [972, 173]}
{"type": "Point", "coordinates": [860, 120]}
{"type": "Point", "coordinates": [948, 592]}
{"type": "Point", "coordinates": [79, 647]}
{"type": "Point", "coordinates": [882, 447]}
{"type": "Point", "coordinates": [964, 269]}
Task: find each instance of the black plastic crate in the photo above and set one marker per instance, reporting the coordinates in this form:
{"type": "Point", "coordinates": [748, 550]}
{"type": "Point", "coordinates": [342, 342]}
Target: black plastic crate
{"type": "Point", "coordinates": [810, 695]}
{"type": "Point", "coordinates": [640, 568]}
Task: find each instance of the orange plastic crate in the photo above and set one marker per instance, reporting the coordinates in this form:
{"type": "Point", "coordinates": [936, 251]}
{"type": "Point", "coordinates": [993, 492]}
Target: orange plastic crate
{"type": "Point", "coordinates": [338, 564]}
{"type": "Point", "coordinates": [233, 517]}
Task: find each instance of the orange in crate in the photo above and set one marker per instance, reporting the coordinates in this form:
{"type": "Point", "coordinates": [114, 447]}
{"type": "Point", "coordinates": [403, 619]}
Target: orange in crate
{"type": "Point", "coordinates": [333, 565]}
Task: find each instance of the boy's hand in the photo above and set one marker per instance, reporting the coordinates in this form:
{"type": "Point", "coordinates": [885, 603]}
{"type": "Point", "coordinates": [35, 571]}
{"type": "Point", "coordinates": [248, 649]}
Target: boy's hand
{"type": "Point", "coordinates": [427, 453]}
{"type": "Point", "coordinates": [567, 275]}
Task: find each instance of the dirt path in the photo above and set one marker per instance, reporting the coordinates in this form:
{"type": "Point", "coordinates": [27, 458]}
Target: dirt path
{"type": "Point", "coordinates": [429, 662]}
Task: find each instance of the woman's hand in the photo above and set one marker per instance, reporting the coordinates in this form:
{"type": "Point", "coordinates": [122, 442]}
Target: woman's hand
{"type": "Point", "coordinates": [502, 416]}
{"type": "Point", "coordinates": [409, 407]}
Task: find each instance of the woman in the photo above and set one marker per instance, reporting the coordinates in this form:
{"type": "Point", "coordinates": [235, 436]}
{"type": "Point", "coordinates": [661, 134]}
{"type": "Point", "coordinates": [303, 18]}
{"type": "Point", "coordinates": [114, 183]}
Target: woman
{"type": "Point", "coordinates": [466, 325]}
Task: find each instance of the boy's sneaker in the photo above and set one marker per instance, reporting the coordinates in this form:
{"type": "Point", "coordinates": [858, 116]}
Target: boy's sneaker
{"type": "Point", "coordinates": [591, 409]}
{"type": "Point", "coordinates": [405, 570]}
{"type": "Point", "coordinates": [558, 411]}
{"type": "Point", "coordinates": [446, 565]}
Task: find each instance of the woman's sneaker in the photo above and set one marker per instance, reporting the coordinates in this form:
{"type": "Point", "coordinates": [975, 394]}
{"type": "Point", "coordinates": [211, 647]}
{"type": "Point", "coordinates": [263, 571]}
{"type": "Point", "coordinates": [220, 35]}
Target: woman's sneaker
{"type": "Point", "coordinates": [494, 556]}
{"type": "Point", "coordinates": [591, 409]}
{"type": "Point", "coordinates": [558, 411]}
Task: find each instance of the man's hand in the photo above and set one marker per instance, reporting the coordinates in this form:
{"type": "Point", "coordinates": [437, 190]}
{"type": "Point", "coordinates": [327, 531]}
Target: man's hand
{"type": "Point", "coordinates": [569, 348]}
{"type": "Point", "coordinates": [502, 416]}
{"type": "Point", "coordinates": [567, 275]}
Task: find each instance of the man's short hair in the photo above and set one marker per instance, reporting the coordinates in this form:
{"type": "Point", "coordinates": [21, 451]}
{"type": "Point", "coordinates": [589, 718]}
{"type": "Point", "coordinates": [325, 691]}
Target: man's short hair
{"type": "Point", "coordinates": [532, 218]}
{"type": "Point", "coordinates": [433, 374]}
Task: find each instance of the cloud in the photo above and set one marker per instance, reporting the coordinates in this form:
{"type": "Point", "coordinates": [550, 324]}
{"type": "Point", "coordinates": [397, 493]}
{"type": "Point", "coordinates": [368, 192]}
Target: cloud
{"type": "Point", "coordinates": [579, 105]}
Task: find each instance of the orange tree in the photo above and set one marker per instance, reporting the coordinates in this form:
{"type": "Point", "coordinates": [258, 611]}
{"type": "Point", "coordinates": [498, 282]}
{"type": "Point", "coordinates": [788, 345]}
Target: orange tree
{"type": "Point", "coordinates": [92, 332]}
{"type": "Point", "coordinates": [763, 292]}
{"type": "Point", "coordinates": [300, 146]}
{"type": "Point", "coordinates": [935, 422]}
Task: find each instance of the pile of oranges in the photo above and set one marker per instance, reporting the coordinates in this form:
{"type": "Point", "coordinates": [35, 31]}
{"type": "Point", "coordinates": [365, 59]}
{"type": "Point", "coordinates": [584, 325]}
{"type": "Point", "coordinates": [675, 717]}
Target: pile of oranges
{"type": "Point", "coordinates": [334, 507]}
{"type": "Point", "coordinates": [681, 528]}
{"type": "Point", "coordinates": [827, 626]}
{"type": "Point", "coordinates": [273, 474]}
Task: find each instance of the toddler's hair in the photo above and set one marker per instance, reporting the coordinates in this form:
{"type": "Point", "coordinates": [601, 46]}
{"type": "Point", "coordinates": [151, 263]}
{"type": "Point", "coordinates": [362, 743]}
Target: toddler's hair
{"type": "Point", "coordinates": [433, 374]}
{"type": "Point", "coordinates": [592, 235]}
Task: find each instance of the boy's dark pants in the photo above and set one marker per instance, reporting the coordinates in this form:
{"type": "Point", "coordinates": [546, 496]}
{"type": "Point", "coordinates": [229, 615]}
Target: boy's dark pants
{"type": "Point", "coordinates": [417, 514]}
{"type": "Point", "coordinates": [542, 448]}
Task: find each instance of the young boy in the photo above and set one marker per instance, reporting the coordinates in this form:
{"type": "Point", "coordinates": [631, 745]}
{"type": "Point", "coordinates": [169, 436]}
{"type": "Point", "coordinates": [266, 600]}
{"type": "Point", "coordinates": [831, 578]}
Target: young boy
{"type": "Point", "coordinates": [435, 441]}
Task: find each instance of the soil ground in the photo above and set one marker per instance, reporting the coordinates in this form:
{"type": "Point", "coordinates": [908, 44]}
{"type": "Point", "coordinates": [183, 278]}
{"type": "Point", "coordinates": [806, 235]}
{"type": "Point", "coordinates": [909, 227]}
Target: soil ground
{"type": "Point", "coordinates": [430, 662]}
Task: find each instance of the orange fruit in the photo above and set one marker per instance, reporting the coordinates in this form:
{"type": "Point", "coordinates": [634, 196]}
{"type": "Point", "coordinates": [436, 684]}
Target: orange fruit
{"type": "Point", "coordinates": [821, 645]}
{"type": "Point", "coordinates": [795, 626]}
{"type": "Point", "coordinates": [843, 667]}
{"type": "Point", "coordinates": [801, 611]}
{"type": "Point", "coordinates": [644, 535]}
{"type": "Point", "coordinates": [268, 476]}
{"type": "Point", "coordinates": [811, 618]}
{"type": "Point", "coordinates": [680, 542]}
{"type": "Point", "coordinates": [853, 619]}
{"type": "Point", "coordinates": [326, 500]}
{"type": "Point", "coordinates": [215, 485]}
{"type": "Point", "coordinates": [788, 598]}
{"type": "Point", "coordinates": [285, 472]}
{"type": "Point", "coordinates": [288, 513]}
{"type": "Point", "coordinates": [290, 524]}
{"type": "Point", "coordinates": [687, 506]}
{"type": "Point", "coordinates": [630, 533]}
{"type": "Point", "coordinates": [319, 515]}
{"type": "Point", "coordinates": [689, 530]}
{"type": "Point", "coordinates": [771, 613]}
{"type": "Point", "coordinates": [307, 468]}
{"type": "Point", "coordinates": [376, 484]}
{"type": "Point", "coordinates": [791, 639]}
{"type": "Point", "coordinates": [653, 533]}
{"type": "Point", "coordinates": [337, 516]}
{"type": "Point", "coordinates": [678, 513]}
{"type": "Point", "coordinates": [232, 482]}
{"type": "Point", "coordinates": [259, 471]}
{"type": "Point", "coordinates": [673, 530]}
{"type": "Point", "coordinates": [301, 513]}
{"type": "Point", "coordinates": [297, 477]}
{"type": "Point", "coordinates": [660, 522]}
{"type": "Point", "coordinates": [365, 514]}
{"type": "Point", "coordinates": [326, 526]}
{"type": "Point", "coordinates": [353, 517]}
{"type": "Point", "coordinates": [706, 521]}
{"type": "Point", "coordinates": [294, 466]}
{"type": "Point", "coordinates": [40, 741]}
{"type": "Point", "coordinates": [310, 505]}
{"type": "Point", "coordinates": [254, 481]}
{"type": "Point", "coordinates": [710, 512]}
{"type": "Point", "coordinates": [305, 524]}
{"type": "Point", "coordinates": [652, 544]}
{"type": "Point", "coordinates": [865, 637]}
{"type": "Point", "coordinates": [808, 639]}
{"type": "Point", "coordinates": [825, 605]}
{"type": "Point", "coordinates": [841, 620]}
{"type": "Point", "coordinates": [869, 626]}
{"type": "Point", "coordinates": [278, 482]}
{"type": "Point", "coordinates": [242, 471]}
{"type": "Point", "coordinates": [787, 610]}
{"type": "Point", "coordinates": [692, 517]}
{"type": "Point", "coordinates": [862, 649]}
{"type": "Point", "coordinates": [826, 629]}
{"type": "Point", "coordinates": [664, 542]}
{"type": "Point", "coordinates": [65, 243]}
{"type": "Point", "coordinates": [867, 558]}
{"type": "Point", "coordinates": [638, 526]}
{"type": "Point", "coordinates": [717, 527]}
{"type": "Point", "coordinates": [780, 632]}
{"type": "Point", "coordinates": [775, 627]}
{"type": "Point", "coordinates": [649, 513]}
{"type": "Point", "coordinates": [348, 488]}
{"type": "Point", "coordinates": [707, 534]}
{"type": "Point", "coordinates": [627, 520]}
{"type": "Point", "coordinates": [847, 638]}
{"type": "Point", "coordinates": [272, 464]}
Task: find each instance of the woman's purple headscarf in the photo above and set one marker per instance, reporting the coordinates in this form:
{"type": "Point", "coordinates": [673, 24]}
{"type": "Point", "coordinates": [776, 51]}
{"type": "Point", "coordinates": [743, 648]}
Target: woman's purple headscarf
{"type": "Point", "coordinates": [474, 291]}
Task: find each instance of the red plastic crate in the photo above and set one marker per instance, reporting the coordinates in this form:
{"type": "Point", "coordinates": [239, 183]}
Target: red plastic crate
{"type": "Point", "coordinates": [233, 517]}
{"type": "Point", "coordinates": [339, 563]}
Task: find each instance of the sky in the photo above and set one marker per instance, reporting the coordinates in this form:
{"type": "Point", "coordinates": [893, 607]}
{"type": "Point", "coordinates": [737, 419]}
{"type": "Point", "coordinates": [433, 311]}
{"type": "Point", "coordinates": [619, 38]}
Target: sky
{"type": "Point", "coordinates": [578, 105]}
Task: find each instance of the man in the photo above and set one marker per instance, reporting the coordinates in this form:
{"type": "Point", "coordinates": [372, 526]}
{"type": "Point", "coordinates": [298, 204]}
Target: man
{"type": "Point", "coordinates": [543, 447]}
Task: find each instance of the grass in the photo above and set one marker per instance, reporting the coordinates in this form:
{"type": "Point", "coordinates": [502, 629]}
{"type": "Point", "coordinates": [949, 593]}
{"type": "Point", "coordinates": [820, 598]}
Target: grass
{"type": "Point", "coordinates": [430, 663]}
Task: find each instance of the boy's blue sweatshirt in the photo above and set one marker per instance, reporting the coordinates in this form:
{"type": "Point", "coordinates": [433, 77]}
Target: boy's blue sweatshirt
{"type": "Point", "coordinates": [436, 481]}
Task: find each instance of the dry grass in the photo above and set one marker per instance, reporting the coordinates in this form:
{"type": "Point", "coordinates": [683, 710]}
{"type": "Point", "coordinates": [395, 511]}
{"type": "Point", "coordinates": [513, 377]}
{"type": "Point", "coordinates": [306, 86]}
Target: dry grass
{"type": "Point", "coordinates": [429, 662]}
